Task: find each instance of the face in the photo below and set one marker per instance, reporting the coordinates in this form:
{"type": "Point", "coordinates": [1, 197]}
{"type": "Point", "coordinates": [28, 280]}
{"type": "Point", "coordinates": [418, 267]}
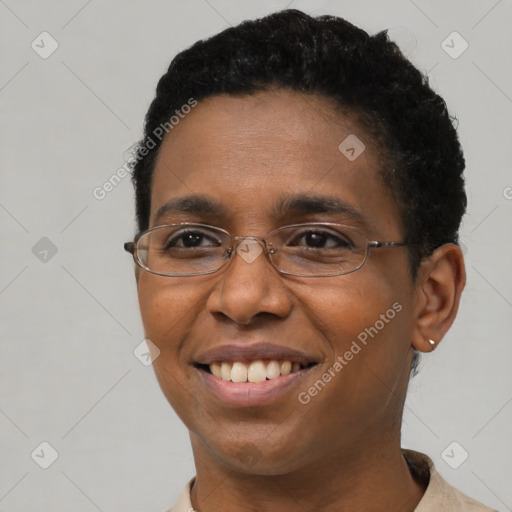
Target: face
{"type": "Point", "coordinates": [246, 154]}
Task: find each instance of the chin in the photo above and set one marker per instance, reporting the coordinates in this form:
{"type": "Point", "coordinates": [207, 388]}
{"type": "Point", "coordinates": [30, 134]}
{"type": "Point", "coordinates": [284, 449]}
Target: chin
{"type": "Point", "coordinates": [253, 455]}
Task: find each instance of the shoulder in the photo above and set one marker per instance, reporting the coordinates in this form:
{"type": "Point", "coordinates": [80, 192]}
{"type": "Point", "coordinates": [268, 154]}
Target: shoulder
{"type": "Point", "coordinates": [183, 503]}
{"type": "Point", "coordinates": [440, 496]}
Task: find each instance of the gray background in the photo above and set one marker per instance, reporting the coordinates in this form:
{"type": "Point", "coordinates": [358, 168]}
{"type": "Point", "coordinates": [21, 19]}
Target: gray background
{"type": "Point", "coordinates": [70, 321]}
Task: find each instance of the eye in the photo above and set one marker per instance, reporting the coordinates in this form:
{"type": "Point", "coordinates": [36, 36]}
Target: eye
{"type": "Point", "coordinates": [321, 239]}
{"type": "Point", "coordinates": [191, 239]}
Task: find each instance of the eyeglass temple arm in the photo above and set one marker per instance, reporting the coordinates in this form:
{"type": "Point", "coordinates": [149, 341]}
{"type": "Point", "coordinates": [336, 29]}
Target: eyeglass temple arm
{"type": "Point", "coordinates": [378, 245]}
{"type": "Point", "coordinates": [129, 247]}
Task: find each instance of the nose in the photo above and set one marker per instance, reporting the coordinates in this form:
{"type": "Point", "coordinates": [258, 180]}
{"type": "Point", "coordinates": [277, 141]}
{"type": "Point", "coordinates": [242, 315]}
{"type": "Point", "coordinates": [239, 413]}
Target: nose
{"type": "Point", "coordinates": [250, 285]}
{"type": "Point", "coordinates": [249, 248]}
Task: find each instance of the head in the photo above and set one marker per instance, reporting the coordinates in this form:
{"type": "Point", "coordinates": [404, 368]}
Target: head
{"type": "Point", "coordinates": [259, 112]}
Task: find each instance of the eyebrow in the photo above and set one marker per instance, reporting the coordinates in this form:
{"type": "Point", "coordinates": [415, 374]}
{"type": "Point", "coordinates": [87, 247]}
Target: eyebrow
{"type": "Point", "coordinates": [302, 204]}
{"type": "Point", "coordinates": [298, 204]}
{"type": "Point", "coordinates": [194, 205]}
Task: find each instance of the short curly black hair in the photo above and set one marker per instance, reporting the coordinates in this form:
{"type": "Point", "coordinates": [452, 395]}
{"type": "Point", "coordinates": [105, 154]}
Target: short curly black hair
{"type": "Point", "coordinates": [365, 75]}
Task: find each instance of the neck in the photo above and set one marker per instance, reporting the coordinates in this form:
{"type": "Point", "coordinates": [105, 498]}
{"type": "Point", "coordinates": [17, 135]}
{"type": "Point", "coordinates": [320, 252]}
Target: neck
{"type": "Point", "coordinates": [373, 478]}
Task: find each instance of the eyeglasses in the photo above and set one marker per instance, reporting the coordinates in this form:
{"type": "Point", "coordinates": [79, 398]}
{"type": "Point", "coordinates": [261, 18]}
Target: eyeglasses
{"type": "Point", "coordinates": [318, 249]}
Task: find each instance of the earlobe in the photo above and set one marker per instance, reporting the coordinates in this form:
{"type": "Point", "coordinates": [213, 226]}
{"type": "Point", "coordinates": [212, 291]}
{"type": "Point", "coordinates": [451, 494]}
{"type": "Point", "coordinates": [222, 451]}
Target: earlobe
{"type": "Point", "coordinates": [441, 279]}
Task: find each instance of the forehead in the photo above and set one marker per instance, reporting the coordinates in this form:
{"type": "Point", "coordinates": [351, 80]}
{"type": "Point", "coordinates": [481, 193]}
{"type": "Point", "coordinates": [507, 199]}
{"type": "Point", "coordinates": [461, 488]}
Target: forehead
{"type": "Point", "coordinates": [252, 153]}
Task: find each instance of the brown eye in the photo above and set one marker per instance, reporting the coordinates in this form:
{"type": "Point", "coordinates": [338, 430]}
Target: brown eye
{"type": "Point", "coordinates": [317, 239]}
{"type": "Point", "coordinates": [190, 239]}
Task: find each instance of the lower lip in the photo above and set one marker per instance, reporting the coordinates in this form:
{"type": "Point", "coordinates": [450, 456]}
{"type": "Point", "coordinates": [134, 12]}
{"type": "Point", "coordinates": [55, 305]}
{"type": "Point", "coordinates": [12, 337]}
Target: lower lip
{"type": "Point", "coordinates": [248, 394]}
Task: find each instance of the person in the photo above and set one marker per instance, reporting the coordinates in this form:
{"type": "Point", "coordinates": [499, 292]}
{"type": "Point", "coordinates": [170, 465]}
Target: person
{"type": "Point", "coordinates": [299, 189]}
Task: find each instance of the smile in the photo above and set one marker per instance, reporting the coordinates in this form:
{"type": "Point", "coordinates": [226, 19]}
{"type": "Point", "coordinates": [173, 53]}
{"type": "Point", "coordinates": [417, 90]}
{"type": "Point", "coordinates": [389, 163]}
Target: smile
{"type": "Point", "coordinates": [256, 371]}
{"type": "Point", "coordinates": [245, 375]}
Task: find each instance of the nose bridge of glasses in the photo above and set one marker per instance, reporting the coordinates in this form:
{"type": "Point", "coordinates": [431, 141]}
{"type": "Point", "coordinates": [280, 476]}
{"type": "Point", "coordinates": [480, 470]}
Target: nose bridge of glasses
{"type": "Point", "coordinates": [249, 248]}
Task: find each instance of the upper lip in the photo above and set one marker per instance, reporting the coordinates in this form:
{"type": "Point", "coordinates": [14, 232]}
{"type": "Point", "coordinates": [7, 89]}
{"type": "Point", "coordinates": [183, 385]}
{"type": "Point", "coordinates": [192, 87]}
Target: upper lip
{"type": "Point", "coordinates": [244, 352]}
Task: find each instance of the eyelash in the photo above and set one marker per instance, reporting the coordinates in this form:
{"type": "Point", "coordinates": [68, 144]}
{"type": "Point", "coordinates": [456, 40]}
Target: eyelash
{"type": "Point", "coordinates": [177, 236]}
{"type": "Point", "coordinates": [344, 242]}
{"type": "Point", "coordinates": [340, 241]}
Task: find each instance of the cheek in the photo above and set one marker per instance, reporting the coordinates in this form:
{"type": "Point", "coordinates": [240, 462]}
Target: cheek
{"type": "Point", "coordinates": [164, 306]}
{"type": "Point", "coordinates": [366, 321]}
{"type": "Point", "coordinates": [344, 307]}
{"type": "Point", "coordinates": [168, 314]}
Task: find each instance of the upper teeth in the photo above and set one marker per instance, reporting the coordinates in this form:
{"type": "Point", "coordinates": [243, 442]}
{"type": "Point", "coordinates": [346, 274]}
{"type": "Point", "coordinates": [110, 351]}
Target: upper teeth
{"type": "Point", "coordinates": [256, 371]}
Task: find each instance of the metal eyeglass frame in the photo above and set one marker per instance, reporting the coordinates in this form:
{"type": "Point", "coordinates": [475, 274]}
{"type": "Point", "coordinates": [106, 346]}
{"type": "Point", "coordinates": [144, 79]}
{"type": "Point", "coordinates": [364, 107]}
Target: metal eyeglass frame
{"type": "Point", "coordinates": [131, 247]}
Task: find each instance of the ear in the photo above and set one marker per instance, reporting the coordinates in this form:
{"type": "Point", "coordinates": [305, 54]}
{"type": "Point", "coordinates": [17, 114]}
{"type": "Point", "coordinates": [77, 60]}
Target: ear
{"type": "Point", "coordinates": [439, 284]}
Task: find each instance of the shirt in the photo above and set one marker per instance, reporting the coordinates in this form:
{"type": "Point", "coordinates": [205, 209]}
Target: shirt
{"type": "Point", "coordinates": [439, 495]}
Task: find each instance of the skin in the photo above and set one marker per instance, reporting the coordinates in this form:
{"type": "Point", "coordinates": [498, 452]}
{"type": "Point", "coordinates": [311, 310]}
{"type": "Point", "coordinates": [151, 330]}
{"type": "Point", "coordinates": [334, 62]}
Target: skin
{"type": "Point", "coordinates": [341, 451]}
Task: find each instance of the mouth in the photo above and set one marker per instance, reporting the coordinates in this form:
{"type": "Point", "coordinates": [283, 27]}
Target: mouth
{"type": "Point", "coordinates": [246, 375]}
{"type": "Point", "coordinates": [255, 371]}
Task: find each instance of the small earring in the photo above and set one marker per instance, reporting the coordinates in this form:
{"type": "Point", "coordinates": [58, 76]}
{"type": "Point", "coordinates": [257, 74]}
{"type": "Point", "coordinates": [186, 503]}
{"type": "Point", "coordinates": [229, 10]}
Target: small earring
{"type": "Point", "coordinates": [432, 342]}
